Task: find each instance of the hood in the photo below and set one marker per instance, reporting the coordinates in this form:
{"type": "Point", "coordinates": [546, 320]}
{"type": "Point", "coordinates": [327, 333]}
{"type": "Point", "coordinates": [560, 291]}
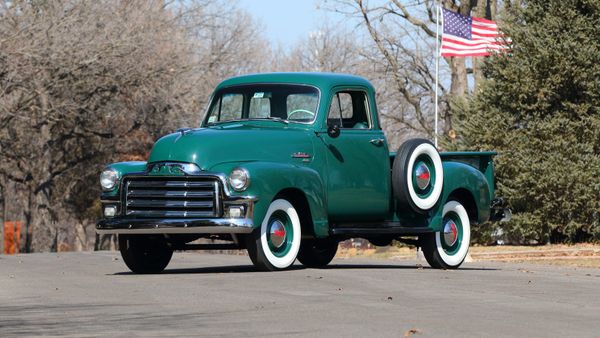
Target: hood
{"type": "Point", "coordinates": [211, 146]}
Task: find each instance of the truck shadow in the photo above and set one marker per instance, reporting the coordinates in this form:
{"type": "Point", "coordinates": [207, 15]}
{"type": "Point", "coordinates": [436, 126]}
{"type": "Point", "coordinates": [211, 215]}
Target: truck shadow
{"type": "Point", "coordinates": [251, 268]}
{"type": "Point", "coordinates": [407, 267]}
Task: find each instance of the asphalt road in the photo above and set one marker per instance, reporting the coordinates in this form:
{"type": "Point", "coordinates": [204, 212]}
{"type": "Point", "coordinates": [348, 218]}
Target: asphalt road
{"type": "Point", "coordinates": [200, 294]}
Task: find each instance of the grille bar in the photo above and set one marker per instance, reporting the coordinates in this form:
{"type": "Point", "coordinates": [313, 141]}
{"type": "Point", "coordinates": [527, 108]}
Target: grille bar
{"type": "Point", "coordinates": [133, 203]}
{"type": "Point", "coordinates": [170, 193]}
{"type": "Point", "coordinates": [171, 197]}
{"type": "Point", "coordinates": [170, 184]}
{"type": "Point", "coordinates": [170, 213]}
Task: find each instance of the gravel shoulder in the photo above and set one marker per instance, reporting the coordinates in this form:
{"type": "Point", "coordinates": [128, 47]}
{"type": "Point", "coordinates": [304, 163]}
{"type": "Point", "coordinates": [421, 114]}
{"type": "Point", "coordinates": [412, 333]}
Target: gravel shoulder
{"type": "Point", "coordinates": [201, 294]}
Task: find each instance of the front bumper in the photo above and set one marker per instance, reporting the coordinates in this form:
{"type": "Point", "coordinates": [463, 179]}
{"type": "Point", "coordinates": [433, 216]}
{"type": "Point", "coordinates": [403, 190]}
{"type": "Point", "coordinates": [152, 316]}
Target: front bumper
{"type": "Point", "coordinates": [175, 226]}
{"type": "Point", "coordinates": [217, 221]}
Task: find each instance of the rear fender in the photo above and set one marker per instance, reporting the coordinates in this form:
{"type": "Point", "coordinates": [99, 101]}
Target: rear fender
{"type": "Point", "coordinates": [462, 177]}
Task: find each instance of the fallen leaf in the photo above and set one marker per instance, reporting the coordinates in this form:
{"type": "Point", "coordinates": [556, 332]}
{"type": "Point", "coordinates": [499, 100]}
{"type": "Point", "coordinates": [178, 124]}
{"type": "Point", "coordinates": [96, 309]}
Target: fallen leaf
{"type": "Point", "coordinates": [389, 298]}
{"type": "Point", "coordinates": [411, 332]}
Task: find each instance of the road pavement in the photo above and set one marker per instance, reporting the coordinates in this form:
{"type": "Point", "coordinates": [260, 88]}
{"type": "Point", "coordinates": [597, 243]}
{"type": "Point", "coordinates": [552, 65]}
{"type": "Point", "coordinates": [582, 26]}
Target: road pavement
{"type": "Point", "coordinates": [202, 294]}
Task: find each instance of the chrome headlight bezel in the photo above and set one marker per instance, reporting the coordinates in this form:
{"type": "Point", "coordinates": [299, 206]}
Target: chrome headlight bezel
{"type": "Point", "coordinates": [239, 179]}
{"type": "Point", "coordinates": [109, 178]}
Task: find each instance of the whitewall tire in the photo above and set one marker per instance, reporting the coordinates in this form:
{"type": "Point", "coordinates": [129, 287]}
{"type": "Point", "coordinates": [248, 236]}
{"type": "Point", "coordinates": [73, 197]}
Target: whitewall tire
{"type": "Point", "coordinates": [448, 248]}
{"type": "Point", "coordinates": [417, 176]}
{"type": "Point", "coordinates": [276, 244]}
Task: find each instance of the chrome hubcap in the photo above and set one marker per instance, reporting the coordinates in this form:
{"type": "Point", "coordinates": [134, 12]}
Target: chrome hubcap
{"type": "Point", "coordinates": [423, 176]}
{"type": "Point", "coordinates": [450, 233]}
{"type": "Point", "coordinates": [277, 233]}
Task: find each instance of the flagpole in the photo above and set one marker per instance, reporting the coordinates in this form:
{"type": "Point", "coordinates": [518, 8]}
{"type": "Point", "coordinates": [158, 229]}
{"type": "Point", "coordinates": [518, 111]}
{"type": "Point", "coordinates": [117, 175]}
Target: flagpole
{"type": "Point", "coordinates": [437, 67]}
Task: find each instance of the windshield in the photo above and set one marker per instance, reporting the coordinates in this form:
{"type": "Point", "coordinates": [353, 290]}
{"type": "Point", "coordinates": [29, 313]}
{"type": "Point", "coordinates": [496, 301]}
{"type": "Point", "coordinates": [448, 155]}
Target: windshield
{"type": "Point", "coordinates": [290, 103]}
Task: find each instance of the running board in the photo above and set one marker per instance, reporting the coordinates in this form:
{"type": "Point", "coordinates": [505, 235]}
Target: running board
{"type": "Point", "coordinates": [208, 247]}
{"type": "Point", "coordinates": [367, 231]}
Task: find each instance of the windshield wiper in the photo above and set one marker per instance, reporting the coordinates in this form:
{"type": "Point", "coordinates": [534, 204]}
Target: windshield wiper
{"type": "Point", "coordinates": [271, 118]}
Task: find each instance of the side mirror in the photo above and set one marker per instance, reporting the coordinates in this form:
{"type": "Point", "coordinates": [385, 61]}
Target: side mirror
{"type": "Point", "coordinates": [333, 131]}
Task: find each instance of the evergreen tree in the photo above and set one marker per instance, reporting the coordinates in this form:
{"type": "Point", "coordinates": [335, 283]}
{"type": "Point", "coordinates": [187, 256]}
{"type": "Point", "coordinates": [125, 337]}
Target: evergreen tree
{"type": "Point", "coordinates": [539, 108]}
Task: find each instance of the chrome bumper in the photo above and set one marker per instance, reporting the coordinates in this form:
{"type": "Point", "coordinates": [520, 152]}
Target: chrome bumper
{"type": "Point", "coordinates": [175, 226]}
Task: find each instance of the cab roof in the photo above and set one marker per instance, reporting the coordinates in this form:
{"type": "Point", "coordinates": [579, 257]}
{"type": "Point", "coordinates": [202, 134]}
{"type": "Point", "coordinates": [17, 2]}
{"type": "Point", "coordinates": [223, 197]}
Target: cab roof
{"type": "Point", "coordinates": [323, 81]}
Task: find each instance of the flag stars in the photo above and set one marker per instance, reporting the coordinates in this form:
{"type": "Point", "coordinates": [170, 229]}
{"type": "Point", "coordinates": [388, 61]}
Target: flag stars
{"type": "Point", "coordinates": [456, 24]}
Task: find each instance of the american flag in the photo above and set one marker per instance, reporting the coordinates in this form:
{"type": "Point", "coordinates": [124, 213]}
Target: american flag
{"type": "Point", "coordinates": [469, 36]}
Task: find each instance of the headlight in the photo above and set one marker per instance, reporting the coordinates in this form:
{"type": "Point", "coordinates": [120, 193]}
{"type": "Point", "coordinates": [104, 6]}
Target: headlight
{"type": "Point", "coordinates": [109, 179]}
{"type": "Point", "coordinates": [239, 179]}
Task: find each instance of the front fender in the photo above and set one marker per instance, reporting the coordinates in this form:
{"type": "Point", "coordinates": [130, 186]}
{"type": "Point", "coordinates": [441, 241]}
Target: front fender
{"type": "Point", "coordinates": [267, 179]}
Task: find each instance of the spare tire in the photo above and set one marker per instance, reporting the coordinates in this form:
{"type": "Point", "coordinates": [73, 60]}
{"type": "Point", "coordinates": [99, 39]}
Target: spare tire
{"type": "Point", "coordinates": [417, 176]}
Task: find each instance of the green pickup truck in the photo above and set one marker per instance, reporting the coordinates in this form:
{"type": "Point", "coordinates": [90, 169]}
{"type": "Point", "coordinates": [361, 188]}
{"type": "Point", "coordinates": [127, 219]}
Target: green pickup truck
{"type": "Point", "coordinates": [287, 165]}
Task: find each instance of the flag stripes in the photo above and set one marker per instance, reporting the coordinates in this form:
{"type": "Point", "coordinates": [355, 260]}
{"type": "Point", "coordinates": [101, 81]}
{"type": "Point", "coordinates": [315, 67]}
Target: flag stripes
{"type": "Point", "coordinates": [468, 36]}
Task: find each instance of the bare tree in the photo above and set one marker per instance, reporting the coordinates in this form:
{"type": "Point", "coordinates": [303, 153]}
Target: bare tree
{"type": "Point", "coordinates": [328, 49]}
{"type": "Point", "coordinates": [403, 34]}
{"type": "Point", "coordinates": [83, 83]}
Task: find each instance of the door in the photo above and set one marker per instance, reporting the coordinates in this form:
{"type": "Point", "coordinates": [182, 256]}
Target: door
{"type": "Point", "coordinates": [358, 167]}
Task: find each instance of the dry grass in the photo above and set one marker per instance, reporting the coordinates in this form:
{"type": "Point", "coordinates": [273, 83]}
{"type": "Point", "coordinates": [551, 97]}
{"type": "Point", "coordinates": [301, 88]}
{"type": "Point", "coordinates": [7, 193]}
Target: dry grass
{"type": "Point", "coordinates": [580, 255]}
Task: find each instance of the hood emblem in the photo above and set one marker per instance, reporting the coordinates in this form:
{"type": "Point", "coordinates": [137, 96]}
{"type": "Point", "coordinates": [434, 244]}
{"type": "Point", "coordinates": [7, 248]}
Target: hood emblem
{"type": "Point", "coordinates": [183, 131]}
{"type": "Point", "coordinates": [169, 168]}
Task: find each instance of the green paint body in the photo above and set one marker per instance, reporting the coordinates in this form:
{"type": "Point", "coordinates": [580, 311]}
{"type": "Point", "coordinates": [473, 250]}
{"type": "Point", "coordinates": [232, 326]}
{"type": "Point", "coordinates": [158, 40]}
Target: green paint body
{"type": "Point", "coordinates": [344, 179]}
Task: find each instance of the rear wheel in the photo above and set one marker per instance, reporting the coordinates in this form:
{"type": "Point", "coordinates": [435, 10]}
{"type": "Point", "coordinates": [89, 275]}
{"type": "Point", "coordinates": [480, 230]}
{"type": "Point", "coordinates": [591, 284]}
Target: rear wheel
{"type": "Point", "coordinates": [145, 254]}
{"type": "Point", "coordinates": [276, 244]}
{"type": "Point", "coordinates": [317, 253]}
{"type": "Point", "coordinates": [448, 248]}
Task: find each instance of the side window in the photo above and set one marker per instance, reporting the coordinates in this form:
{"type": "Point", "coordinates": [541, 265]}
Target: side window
{"type": "Point", "coordinates": [349, 110]}
{"type": "Point", "coordinates": [229, 107]}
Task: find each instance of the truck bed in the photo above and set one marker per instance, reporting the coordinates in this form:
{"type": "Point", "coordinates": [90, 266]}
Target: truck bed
{"type": "Point", "coordinates": [480, 160]}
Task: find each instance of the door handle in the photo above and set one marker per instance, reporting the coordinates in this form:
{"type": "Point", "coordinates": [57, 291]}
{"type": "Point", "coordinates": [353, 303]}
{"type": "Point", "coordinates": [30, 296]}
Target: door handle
{"type": "Point", "coordinates": [376, 141]}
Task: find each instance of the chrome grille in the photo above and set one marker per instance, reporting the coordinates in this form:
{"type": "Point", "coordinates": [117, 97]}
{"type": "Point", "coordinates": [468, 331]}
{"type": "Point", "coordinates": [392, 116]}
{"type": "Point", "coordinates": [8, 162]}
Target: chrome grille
{"type": "Point", "coordinates": [171, 197]}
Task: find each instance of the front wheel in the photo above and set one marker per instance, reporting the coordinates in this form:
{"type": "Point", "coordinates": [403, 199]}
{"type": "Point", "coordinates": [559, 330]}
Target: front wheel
{"type": "Point", "coordinates": [448, 248]}
{"type": "Point", "coordinates": [276, 244]}
{"type": "Point", "coordinates": [317, 253]}
{"type": "Point", "coordinates": [145, 254]}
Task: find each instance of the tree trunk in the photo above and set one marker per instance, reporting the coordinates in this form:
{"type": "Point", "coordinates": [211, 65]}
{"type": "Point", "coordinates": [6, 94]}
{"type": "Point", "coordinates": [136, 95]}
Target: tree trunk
{"type": "Point", "coordinates": [28, 222]}
{"type": "Point", "coordinates": [480, 12]}
{"type": "Point", "coordinates": [458, 86]}
{"type": "Point", "coordinates": [485, 9]}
